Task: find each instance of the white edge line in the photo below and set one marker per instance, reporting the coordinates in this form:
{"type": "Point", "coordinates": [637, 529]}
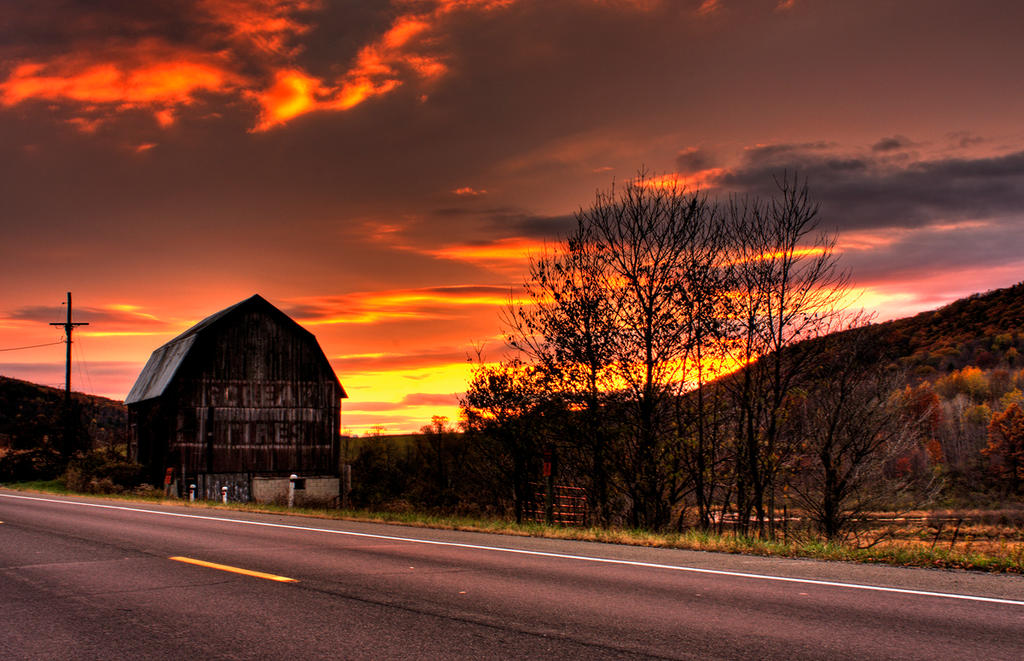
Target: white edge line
{"type": "Point", "coordinates": [545, 554]}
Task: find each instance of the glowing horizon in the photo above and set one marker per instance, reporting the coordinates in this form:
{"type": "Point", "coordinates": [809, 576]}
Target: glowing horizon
{"type": "Point", "coordinates": [383, 172]}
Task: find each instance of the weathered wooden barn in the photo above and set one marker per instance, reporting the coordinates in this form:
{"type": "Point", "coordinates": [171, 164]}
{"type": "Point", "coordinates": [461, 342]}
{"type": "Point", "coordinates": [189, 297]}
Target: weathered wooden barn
{"type": "Point", "coordinates": [242, 399]}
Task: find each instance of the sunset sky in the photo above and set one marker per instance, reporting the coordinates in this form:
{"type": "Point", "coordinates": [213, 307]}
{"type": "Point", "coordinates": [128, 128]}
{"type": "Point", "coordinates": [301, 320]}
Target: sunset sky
{"type": "Point", "coordinates": [382, 171]}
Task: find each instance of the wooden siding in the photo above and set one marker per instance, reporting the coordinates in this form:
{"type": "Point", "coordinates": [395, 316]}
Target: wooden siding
{"type": "Point", "coordinates": [254, 394]}
{"type": "Point", "coordinates": [250, 439]}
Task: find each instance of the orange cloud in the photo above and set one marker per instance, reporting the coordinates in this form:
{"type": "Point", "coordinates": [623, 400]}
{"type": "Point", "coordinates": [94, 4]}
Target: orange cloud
{"type": "Point", "coordinates": [264, 25]}
{"type": "Point", "coordinates": [150, 75]}
{"type": "Point", "coordinates": [360, 363]}
{"type": "Point", "coordinates": [86, 125]}
{"type": "Point", "coordinates": [708, 7]}
{"type": "Point", "coordinates": [796, 253]}
{"type": "Point", "coordinates": [407, 49]}
{"type": "Point", "coordinates": [693, 181]}
{"type": "Point", "coordinates": [511, 249]}
{"type": "Point", "coordinates": [245, 48]}
{"type": "Point", "coordinates": [155, 74]}
{"type": "Point", "coordinates": [469, 191]}
{"type": "Point", "coordinates": [164, 117]}
{"type": "Point", "coordinates": [395, 305]}
{"type": "Point", "coordinates": [293, 93]}
{"type": "Point", "coordinates": [129, 308]}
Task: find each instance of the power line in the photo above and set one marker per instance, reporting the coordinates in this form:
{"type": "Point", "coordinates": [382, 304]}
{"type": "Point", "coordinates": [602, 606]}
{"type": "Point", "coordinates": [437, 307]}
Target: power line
{"type": "Point", "coordinates": [69, 327]}
{"type": "Point", "coordinates": [83, 367]}
{"type": "Point", "coordinates": [33, 346]}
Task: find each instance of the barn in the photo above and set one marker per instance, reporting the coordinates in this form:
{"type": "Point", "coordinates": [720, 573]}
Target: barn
{"type": "Point", "coordinates": [243, 399]}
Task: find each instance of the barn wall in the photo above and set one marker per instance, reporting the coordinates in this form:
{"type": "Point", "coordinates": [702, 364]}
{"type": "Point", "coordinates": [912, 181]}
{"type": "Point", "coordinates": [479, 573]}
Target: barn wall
{"type": "Point", "coordinates": [208, 486]}
{"type": "Point", "coordinates": [251, 439]}
{"type": "Point", "coordinates": [256, 396]}
{"type": "Point", "coordinates": [152, 433]}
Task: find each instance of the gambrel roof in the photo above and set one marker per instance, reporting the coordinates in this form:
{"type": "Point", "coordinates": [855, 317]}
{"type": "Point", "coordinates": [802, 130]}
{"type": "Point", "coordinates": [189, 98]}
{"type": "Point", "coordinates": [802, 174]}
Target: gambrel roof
{"type": "Point", "coordinates": [165, 362]}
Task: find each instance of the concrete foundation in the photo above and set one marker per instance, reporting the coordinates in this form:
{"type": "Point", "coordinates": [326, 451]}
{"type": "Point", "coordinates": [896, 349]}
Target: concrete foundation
{"type": "Point", "coordinates": [309, 491]}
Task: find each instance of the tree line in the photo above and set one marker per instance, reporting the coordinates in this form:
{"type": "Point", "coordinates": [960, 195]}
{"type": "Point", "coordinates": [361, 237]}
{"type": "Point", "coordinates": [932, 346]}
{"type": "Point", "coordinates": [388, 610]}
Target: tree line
{"type": "Point", "coordinates": [664, 353]}
{"type": "Point", "coordinates": [692, 362]}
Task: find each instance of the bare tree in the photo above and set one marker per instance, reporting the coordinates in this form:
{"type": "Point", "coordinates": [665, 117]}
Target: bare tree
{"type": "Point", "coordinates": [636, 312]}
{"type": "Point", "coordinates": [652, 243]}
{"type": "Point", "coordinates": [853, 423]}
{"type": "Point", "coordinates": [788, 288]}
{"type": "Point", "coordinates": [566, 325]}
{"type": "Point", "coordinates": [698, 399]}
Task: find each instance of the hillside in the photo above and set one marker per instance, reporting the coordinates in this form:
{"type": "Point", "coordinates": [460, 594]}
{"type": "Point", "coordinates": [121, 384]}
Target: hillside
{"type": "Point", "coordinates": [983, 330]}
{"type": "Point", "coordinates": [963, 369]}
{"type": "Point", "coordinates": [30, 413]}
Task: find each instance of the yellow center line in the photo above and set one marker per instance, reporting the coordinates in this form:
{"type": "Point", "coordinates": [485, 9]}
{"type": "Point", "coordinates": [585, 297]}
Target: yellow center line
{"type": "Point", "coordinates": [236, 570]}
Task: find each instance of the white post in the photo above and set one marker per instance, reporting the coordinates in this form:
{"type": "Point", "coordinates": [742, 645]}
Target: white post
{"type": "Point", "coordinates": [291, 489]}
{"type": "Point", "coordinates": [191, 493]}
{"type": "Point", "coordinates": [224, 495]}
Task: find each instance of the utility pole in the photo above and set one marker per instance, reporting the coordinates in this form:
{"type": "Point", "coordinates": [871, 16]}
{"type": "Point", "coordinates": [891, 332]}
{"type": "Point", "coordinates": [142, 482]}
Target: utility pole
{"type": "Point", "coordinates": [69, 327]}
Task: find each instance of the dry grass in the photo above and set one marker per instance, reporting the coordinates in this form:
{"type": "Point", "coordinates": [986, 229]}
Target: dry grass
{"type": "Point", "coordinates": [985, 533]}
{"type": "Point", "coordinates": [977, 540]}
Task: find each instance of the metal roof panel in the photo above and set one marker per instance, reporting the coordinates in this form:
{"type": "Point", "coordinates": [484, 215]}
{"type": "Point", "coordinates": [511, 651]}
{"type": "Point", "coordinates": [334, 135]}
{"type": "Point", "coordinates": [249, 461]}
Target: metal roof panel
{"type": "Point", "coordinates": [161, 367]}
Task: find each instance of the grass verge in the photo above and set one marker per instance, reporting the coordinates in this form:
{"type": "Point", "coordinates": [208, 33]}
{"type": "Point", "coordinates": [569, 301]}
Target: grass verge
{"type": "Point", "coordinates": [1008, 560]}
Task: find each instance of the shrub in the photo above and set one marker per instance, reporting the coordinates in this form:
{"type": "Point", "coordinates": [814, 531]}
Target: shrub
{"type": "Point", "coordinates": [99, 472]}
{"type": "Point", "coordinates": [40, 463]}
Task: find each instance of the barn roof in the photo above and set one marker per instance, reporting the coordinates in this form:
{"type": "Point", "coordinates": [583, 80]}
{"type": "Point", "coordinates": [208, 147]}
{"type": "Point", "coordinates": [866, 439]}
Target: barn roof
{"type": "Point", "coordinates": [163, 364]}
{"type": "Point", "coordinates": [160, 369]}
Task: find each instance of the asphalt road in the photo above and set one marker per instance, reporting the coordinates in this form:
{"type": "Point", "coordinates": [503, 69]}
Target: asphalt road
{"type": "Point", "coordinates": [92, 579]}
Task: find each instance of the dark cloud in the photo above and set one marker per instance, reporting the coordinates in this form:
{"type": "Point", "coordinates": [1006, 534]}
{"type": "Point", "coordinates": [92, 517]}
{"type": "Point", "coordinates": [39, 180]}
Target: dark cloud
{"type": "Point", "coordinates": [858, 192]}
{"type": "Point", "coordinates": [930, 252]}
{"type": "Point", "coordinates": [774, 152]}
{"type": "Point", "coordinates": [54, 313]}
{"type": "Point", "coordinates": [96, 21]}
{"type": "Point", "coordinates": [964, 139]}
{"type": "Point", "coordinates": [448, 212]}
{"type": "Point", "coordinates": [503, 222]}
{"type": "Point", "coordinates": [895, 143]}
{"type": "Point", "coordinates": [543, 227]}
{"type": "Point", "coordinates": [466, 290]}
{"type": "Point", "coordinates": [694, 160]}
{"type": "Point", "coordinates": [62, 24]}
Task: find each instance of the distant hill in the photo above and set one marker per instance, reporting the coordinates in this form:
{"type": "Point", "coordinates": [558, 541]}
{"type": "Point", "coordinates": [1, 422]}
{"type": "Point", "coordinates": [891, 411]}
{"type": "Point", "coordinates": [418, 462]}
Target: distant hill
{"type": "Point", "coordinates": [31, 413]}
{"type": "Point", "coordinates": [982, 330]}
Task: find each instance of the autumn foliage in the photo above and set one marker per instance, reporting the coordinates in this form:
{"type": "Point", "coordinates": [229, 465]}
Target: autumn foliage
{"type": "Point", "coordinates": [1006, 446]}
